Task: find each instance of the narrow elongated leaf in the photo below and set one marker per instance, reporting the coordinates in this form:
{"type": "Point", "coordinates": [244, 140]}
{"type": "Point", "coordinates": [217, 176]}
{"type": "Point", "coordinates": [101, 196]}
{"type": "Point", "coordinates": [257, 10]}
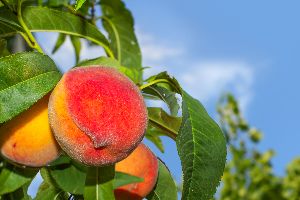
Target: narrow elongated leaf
{"type": "Point", "coordinates": [166, 124]}
{"type": "Point", "coordinates": [79, 3]}
{"type": "Point", "coordinates": [118, 22]}
{"type": "Point", "coordinates": [59, 42]}
{"type": "Point", "coordinates": [125, 179]}
{"type": "Point", "coordinates": [77, 47]}
{"type": "Point", "coordinates": [99, 183]}
{"type": "Point", "coordinates": [24, 79]}
{"type": "Point", "coordinates": [202, 149]}
{"type": "Point", "coordinates": [12, 178]}
{"type": "Point", "coordinates": [165, 188]}
{"type": "Point", "coordinates": [41, 19]}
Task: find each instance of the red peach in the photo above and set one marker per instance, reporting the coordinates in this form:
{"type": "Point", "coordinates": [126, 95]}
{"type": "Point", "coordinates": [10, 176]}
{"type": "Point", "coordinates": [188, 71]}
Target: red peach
{"type": "Point", "coordinates": [97, 114]}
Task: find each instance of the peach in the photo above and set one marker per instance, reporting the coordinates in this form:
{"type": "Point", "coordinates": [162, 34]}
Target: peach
{"type": "Point", "coordinates": [27, 139]}
{"type": "Point", "coordinates": [141, 163]}
{"type": "Point", "coordinates": [97, 114]}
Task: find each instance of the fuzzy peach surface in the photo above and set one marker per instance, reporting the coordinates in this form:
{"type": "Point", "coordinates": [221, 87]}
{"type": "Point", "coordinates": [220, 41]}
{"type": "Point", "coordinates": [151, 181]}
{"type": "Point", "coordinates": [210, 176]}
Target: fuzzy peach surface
{"type": "Point", "coordinates": [27, 139]}
{"type": "Point", "coordinates": [141, 163]}
{"type": "Point", "coordinates": [98, 115]}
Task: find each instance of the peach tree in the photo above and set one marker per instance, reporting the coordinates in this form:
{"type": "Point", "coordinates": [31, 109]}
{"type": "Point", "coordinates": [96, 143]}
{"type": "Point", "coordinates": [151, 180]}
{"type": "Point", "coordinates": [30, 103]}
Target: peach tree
{"type": "Point", "coordinates": [82, 130]}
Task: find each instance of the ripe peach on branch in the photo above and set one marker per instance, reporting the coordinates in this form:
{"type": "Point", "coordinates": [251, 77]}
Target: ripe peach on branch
{"type": "Point", "coordinates": [97, 114]}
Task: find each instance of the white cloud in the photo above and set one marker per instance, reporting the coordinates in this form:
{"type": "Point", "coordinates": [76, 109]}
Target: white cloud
{"type": "Point", "coordinates": [156, 53]}
{"type": "Point", "coordinates": [204, 80]}
{"type": "Point", "coordinates": [207, 80]}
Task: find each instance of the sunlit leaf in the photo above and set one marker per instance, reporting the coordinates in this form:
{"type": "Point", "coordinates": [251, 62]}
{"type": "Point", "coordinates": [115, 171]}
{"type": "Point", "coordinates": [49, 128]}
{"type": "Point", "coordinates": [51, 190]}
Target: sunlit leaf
{"type": "Point", "coordinates": [42, 19]}
{"type": "Point", "coordinates": [202, 149]}
{"type": "Point", "coordinates": [24, 79]}
{"type": "Point", "coordinates": [118, 22]}
{"type": "Point", "coordinates": [79, 3]}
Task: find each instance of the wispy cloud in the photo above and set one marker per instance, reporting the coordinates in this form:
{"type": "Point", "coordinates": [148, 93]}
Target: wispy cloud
{"type": "Point", "coordinates": [207, 80]}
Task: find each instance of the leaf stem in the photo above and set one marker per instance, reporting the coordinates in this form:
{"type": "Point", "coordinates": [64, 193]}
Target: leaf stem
{"type": "Point", "coordinates": [168, 132]}
{"type": "Point", "coordinates": [116, 35]}
{"type": "Point", "coordinates": [28, 37]}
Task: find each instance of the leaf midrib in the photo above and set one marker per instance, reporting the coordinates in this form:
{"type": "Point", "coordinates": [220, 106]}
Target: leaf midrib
{"type": "Point", "coordinates": [27, 80]}
{"type": "Point", "coordinates": [193, 154]}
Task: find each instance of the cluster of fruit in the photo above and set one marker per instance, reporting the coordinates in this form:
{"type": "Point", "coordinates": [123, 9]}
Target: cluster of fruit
{"type": "Point", "coordinates": [95, 115]}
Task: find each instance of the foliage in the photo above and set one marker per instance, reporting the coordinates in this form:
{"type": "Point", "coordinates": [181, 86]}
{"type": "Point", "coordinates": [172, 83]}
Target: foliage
{"type": "Point", "coordinates": [27, 76]}
{"type": "Point", "coordinates": [249, 173]}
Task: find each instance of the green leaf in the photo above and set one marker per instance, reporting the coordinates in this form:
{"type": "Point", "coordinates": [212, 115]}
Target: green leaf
{"type": "Point", "coordinates": [118, 22]}
{"type": "Point", "coordinates": [41, 19]}
{"type": "Point", "coordinates": [79, 3]}
{"type": "Point", "coordinates": [25, 78]}
{"type": "Point", "coordinates": [165, 95]}
{"type": "Point", "coordinates": [3, 49]}
{"type": "Point", "coordinates": [202, 149]}
{"type": "Point", "coordinates": [102, 61]}
{"type": "Point", "coordinates": [110, 62]}
{"type": "Point", "coordinates": [21, 193]}
{"type": "Point", "coordinates": [165, 188]}
{"type": "Point", "coordinates": [153, 134]}
{"type": "Point", "coordinates": [99, 183]}
{"type": "Point", "coordinates": [12, 178]}
{"type": "Point", "coordinates": [48, 190]}
{"type": "Point", "coordinates": [165, 80]}
{"type": "Point", "coordinates": [59, 42]}
{"type": "Point", "coordinates": [125, 179]}
{"type": "Point", "coordinates": [8, 18]}
{"type": "Point", "coordinates": [57, 3]}
{"type": "Point", "coordinates": [77, 47]}
{"type": "Point", "coordinates": [9, 23]}
{"type": "Point", "coordinates": [167, 125]}
{"type": "Point", "coordinates": [69, 177]}
{"type": "Point", "coordinates": [6, 30]}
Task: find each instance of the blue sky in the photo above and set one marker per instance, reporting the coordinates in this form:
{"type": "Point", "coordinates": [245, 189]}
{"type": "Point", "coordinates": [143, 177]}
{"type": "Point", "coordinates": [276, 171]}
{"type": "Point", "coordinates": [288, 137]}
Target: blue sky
{"type": "Point", "coordinates": [249, 48]}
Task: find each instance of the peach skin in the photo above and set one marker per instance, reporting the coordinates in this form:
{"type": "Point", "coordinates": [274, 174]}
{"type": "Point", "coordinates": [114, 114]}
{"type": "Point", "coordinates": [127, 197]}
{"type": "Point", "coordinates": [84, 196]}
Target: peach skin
{"type": "Point", "coordinates": [141, 163]}
{"type": "Point", "coordinates": [97, 114]}
{"type": "Point", "coordinates": [27, 139]}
